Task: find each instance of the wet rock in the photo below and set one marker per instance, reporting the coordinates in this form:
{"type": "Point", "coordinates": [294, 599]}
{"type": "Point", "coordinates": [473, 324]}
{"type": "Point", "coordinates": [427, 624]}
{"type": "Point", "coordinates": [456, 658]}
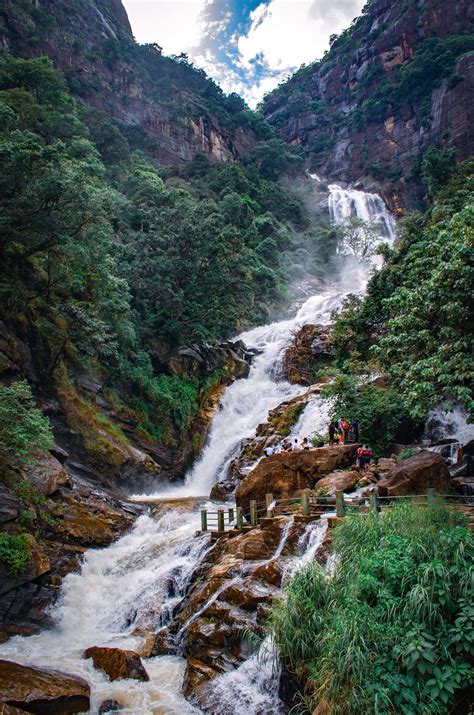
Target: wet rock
{"type": "Point", "coordinates": [42, 691]}
{"type": "Point", "coordinates": [415, 475]}
{"type": "Point", "coordinates": [163, 643]}
{"type": "Point", "coordinates": [109, 706]}
{"type": "Point", "coordinates": [270, 571]}
{"type": "Point", "coordinates": [37, 566]}
{"type": "Point", "coordinates": [47, 475]}
{"type": "Point", "coordinates": [89, 525]}
{"type": "Point", "coordinates": [196, 674]}
{"type": "Point", "coordinates": [310, 348]}
{"type": "Point", "coordinates": [248, 594]}
{"type": "Point", "coordinates": [201, 360]}
{"type": "Point", "coordinates": [283, 475]}
{"type": "Point", "coordinates": [343, 481]}
{"type": "Point", "coordinates": [117, 663]}
{"type": "Point", "coordinates": [60, 453]}
{"type": "Point", "coordinates": [9, 504]}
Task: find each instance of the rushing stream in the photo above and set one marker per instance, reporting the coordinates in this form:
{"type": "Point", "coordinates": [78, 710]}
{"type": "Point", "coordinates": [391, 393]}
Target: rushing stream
{"type": "Point", "coordinates": [125, 587]}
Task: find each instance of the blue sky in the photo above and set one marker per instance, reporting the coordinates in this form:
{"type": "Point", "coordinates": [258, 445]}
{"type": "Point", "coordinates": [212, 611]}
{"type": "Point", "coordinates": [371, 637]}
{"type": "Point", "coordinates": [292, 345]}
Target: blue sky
{"type": "Point", "coordinates": [247, 46]}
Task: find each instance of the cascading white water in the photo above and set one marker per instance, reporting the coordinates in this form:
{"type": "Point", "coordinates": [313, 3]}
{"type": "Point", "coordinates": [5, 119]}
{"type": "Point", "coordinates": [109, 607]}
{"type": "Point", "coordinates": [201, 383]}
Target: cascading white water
{"type": "Point", "coordinates": [119, 588]}
{"type": "Point", "coordinates": [348, 203]}
{"type": "Point", "coordinates": [136, 580]}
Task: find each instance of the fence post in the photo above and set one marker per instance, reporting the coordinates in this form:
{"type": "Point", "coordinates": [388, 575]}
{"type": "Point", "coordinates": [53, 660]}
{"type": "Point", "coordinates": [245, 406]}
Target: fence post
{"type": "Point", "coordinates": [340, 508]}
{"type": "Point", "coordinates": [253, 512]}
{"type": "Point", "coordinates": [220, 520]}
{"type": "Point", "coordinates": [203, 520]}
{"type": "Point", "coordinates": [373, 503]}
{"type": "Point", "coordinates": [239, 520]}
{"type": "Point", "coordinates": [231, 515]}
{"type": "Point", "coordinates": [305, 502]}
{"type": "Point", "coordinates": [431, 496]}
{"type": "Point", "coordinates": [268, 501]}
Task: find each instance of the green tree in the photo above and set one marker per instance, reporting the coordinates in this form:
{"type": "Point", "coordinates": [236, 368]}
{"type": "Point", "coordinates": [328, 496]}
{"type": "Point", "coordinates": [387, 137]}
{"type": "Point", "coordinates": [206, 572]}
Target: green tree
{"type": "Point", "coordinates": [24, 430]}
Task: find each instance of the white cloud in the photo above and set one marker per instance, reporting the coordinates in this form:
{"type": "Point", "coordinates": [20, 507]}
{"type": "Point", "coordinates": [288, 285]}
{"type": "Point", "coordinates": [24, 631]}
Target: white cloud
{"type": "Point", "coordinates": [282, 35]}
{"type": "Point", "coordinates": [173, 24]}
{"type": "Point", "coordinates": [287, 33]}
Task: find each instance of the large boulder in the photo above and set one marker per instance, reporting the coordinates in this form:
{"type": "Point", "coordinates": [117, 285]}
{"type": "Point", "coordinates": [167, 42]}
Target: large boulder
{"type": "Point", "coordinates": [415, 475]}
{"type": "Point", "coordinates": [310, 346]}
{"type": "Point", "coordinates": [47, 475]}
{"type": "Point", "coordinates": [37, 566]}
{"type": "Point", "coordinates": [37, 690]}
{"type": "Point", "coordinates": [117, 663]}
{"type": "Point", "coordinates": [284, 474]}
{"type": "Point", "coordinates": [201, 360]}
{"type": "Point", "coordinates": [339, 480]}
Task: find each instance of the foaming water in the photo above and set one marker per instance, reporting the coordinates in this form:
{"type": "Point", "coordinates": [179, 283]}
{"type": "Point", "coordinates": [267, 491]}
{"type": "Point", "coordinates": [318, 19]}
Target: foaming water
{"type": "Point", "coordinates": [119, 592]}
{"type": "Point", "coordinates": [247, 402]}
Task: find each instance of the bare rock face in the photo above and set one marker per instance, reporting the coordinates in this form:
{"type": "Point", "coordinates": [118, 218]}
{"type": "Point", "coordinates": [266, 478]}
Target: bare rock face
{"type": "Point", "coordinates": [47, 475]}
{"type": "Point", "coordinates": [310, 347]}
{"type": "Point", "coordinates": [343, 481]}
{"type": "Point", "coordinates": [285, 474]}
{"type": "Point", "coordinates": [117, 663]}
{"type": "Point", "coordinates": [415, 475]}
{"type": "Point", "coordinates": [337, 111]}
{"type": "Point", "coordinates": [42, 691]}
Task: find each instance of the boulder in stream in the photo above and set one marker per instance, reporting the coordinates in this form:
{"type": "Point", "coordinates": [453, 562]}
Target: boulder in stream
{"type": "Point", "coordinates": [117, 663]}
{"type": "Point", "coordinates": [41, 691]}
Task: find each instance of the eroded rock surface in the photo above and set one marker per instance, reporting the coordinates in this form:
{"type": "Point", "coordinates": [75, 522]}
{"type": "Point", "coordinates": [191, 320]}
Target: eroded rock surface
{"type": "Point", "coordinates": [42, 691]}
{"type": "Point", "coordinates": [415, 475]}
{"type": "Point", "coordinates": [286, 474]}
{"type": "Point", "coordinates": [117, 663]}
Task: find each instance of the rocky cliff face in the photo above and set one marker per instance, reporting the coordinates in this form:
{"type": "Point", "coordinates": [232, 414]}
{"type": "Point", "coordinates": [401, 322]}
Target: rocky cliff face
{"type": "Point", "coordinates": [163, 105]}
{"type": "Point", "coordinates": [398, 81]}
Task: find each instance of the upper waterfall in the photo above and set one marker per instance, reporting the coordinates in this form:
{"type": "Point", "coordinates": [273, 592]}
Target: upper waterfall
{"type": "Point", "coordinates": [347, 203]}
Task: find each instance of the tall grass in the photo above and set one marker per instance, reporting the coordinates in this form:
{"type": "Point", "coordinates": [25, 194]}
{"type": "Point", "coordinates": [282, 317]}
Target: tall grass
{"type": "Point", "coordinates": [392, 630]}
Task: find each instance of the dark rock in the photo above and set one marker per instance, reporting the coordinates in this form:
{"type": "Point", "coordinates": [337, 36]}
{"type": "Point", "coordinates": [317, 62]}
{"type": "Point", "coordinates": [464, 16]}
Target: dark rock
{"type": "Point", "coordinates": [164, 643]}
{"type": "Point", "coordinates": [47, 475]}
{"type": "Point", "coordinates": [58, 452]}
{"type": "Point", "coordinates": [415, 475]}
{"type": "Point", "coordinates": [109, 706]}
{"type": "Point", "coordinates": [42, 691]}
{"type": "Point", "coordinates": [117, 663]}
{"type": "Point", "coordinates": [38, 565]}
{"type": "Point", "coordinates": [201, 360]}
{"type": "Point", "coordinates": [9, 504]}
{"type": "Point", "coordinates": [309, 349]}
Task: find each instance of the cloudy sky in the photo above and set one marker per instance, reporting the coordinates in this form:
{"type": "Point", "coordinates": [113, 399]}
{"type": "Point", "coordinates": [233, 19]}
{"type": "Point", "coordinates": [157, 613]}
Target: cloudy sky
{"type": "Point", "coordinates": [247, 46]}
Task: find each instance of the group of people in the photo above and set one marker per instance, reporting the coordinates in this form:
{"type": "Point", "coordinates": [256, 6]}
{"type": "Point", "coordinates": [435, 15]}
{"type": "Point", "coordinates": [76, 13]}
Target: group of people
{"type": "Point", "coordinates": [339, 431]}
{"type": "Point", "coordinates": [287, 446]}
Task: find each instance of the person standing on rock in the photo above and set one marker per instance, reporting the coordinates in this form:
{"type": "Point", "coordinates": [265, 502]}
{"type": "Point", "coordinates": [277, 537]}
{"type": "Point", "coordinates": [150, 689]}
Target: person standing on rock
{"type": "Point", "coordinates": [366, 456]}
{"type": "Point", "coordinates": [345, 427]}
{"type": "Point", "coordinates": [355, 430]}
{"type": "Point", "coordinates": [296, 444]}
{"type": "Point", "coordinates": [332, 432]}
{"type": "Point", "coordinates": [305, 444]}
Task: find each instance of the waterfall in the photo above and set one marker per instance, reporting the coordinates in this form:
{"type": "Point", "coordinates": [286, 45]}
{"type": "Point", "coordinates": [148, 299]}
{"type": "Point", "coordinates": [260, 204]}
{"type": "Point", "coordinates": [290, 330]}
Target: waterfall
{"type": "Point", "coordinates": [348, 203]}
{"type": "Point", "coordinates": [141, 578]}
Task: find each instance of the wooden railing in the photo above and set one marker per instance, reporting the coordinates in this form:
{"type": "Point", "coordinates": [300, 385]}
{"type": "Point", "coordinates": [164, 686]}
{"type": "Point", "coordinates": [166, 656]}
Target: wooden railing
{"type": "Point", "coordinates": [311, 506]}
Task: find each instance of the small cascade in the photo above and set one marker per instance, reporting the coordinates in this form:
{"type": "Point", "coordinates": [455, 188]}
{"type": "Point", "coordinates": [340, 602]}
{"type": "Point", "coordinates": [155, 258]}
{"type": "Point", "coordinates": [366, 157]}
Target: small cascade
{"type": "Point", "coordinates": [251, 689]}
{"type": "Point", "coordinates": [313, 420]}
{"type": "Point", "coordinates": [133, 584]}
{"type": "Point", "coordinates": [285, 532]}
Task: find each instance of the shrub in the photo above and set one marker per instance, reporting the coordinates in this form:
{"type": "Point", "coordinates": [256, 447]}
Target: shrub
{"type": "Point", "coordinates": [381, 412]}
{"type": "Point", "coordinates": [24, 429]}
{"type": "Point", "coordinates": [388, 633]}
{"type": "Point", "coordinates": [14, 552]}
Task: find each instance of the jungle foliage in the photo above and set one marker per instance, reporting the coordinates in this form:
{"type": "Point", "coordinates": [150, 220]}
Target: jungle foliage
{"type": "Point", "coordinates": [391, 630]}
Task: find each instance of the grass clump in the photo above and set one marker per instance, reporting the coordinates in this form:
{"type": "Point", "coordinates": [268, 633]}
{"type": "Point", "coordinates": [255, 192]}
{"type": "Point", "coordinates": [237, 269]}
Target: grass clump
{"type": "Point", "coordinates": [391, 631]}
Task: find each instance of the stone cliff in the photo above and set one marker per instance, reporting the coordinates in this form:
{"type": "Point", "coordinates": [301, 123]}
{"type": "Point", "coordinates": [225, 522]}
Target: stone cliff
{"type": "Point", "coordinates": [398, 81]}
{"type": "Point", "coordinates": [162, 104]}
